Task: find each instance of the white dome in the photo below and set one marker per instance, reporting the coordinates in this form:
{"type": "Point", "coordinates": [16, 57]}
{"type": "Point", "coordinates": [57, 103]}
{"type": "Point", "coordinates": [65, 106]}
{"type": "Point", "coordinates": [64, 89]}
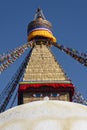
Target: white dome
{"type": "Point", "coordinates": [45, 115]}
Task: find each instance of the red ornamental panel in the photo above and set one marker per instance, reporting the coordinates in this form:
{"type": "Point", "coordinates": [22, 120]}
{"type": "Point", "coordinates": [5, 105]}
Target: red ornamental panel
{"type": "Point", "coordinates": [25, 86]}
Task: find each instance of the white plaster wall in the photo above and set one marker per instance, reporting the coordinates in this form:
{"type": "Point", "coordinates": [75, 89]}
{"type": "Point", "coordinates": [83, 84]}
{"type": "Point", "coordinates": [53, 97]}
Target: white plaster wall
{"type": "Point", "coordinates": [45, 115]}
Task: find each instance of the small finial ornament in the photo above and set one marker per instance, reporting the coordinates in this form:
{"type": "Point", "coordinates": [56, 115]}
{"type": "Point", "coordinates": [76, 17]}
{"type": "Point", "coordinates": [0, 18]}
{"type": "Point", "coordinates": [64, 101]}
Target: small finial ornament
{"type": "Point", "coordinates": [38, 9]}
{"type": "Point", "coordinates": [39, 14]}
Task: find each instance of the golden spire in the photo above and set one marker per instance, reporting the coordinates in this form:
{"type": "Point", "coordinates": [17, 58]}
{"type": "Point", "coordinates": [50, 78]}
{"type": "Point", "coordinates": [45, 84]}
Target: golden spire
{"type": "Point", "coordinates": [40, 27]}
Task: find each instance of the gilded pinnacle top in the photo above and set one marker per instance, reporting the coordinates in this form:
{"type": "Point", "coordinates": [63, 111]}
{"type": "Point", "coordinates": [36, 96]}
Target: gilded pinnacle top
{"type": "Point", "coordinates": [40, 27]}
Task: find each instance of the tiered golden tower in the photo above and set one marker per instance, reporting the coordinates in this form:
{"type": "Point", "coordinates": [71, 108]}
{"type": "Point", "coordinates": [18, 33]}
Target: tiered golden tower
{"type": "Point", "coordinates": [43, 77]}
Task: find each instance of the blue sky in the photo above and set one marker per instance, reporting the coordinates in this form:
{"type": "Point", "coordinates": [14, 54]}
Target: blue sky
{"type": "Point", "coordinates": [69, 20]}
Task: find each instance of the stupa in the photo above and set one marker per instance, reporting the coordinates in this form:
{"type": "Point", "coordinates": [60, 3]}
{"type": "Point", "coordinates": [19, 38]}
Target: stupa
{"type": "Point", "coordinates": [46, 91]}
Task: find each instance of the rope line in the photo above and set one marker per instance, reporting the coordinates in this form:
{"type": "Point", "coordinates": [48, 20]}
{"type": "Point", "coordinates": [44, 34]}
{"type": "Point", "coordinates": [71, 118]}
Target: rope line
{"type": "Point", "coordinates": [13, 84]}
{"type": "Point", "coordinates": [9, 58]}
{"type": "Point", "coordinates": [14, 100]}
{"type": "Point", "coordinates": [78, 98]}
{"type": "Point", "coordinates": [80, 57]}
